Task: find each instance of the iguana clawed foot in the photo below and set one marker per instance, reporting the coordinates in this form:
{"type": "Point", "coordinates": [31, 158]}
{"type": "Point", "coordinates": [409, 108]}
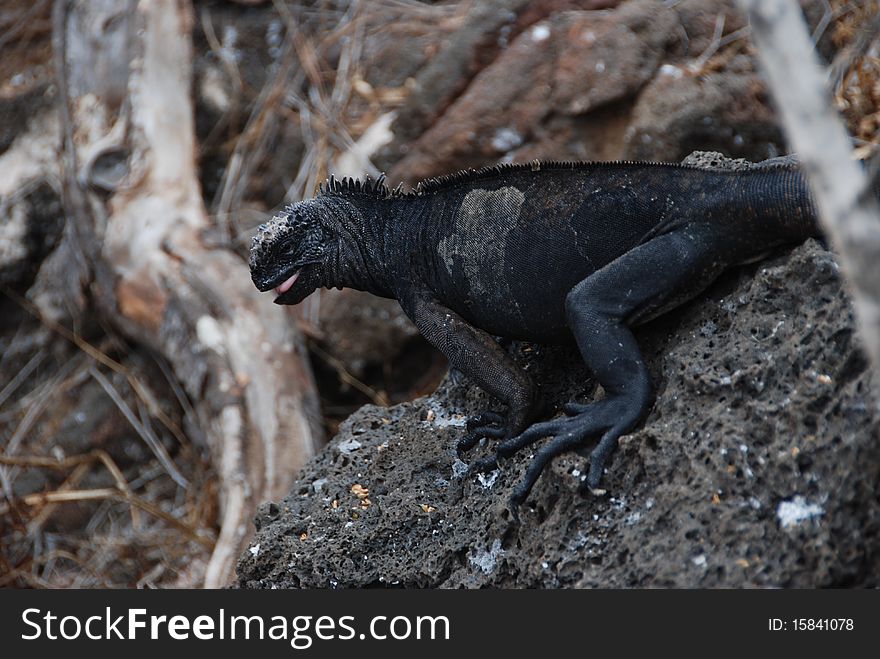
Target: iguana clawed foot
{"type": "Point", "coordinates": [607, 419]}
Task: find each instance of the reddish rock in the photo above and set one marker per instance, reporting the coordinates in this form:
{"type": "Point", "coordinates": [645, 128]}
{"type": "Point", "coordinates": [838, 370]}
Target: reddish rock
{"type": "Point", "coordinates": [485, 34]}
{"type": "Point", "coordinates": [646, 80]}
{"type": "Point", "coordinates": [611, 55]}
{"type": "Point", "coordinates": [493, 116]}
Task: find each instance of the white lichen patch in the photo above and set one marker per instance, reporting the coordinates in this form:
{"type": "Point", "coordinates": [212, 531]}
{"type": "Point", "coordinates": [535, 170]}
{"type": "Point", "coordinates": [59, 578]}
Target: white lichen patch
{"type": "Point", "coordinates": [275, 38]}
{"type": "Point", "coordinates": [488, 480]}
{"type": "Point", "coordinates": [228, 50]}
{"type": "Point", "coordinates": [797, 510]}
{"type": "Point", "coordinates": [439, 417]}
{"type": "Point", "coordinates": [349, 446]}
{"type": "Point", "coordinates": [213, 89]}
{"type": "Point", "coordinates": [671, 70]}
{"type": "Point", "coordinates": [32, 155]}
{"type": "Point", "coordinates": [484, 560]}
{"type": "Point", "coordinates": [491, 214]}
{"type": "Point", "coordinates": [459, 469]}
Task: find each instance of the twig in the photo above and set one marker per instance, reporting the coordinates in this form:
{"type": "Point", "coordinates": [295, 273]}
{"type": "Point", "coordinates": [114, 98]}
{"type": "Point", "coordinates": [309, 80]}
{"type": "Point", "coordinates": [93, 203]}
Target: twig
{"type": "Point", "coordinates": [32, 581]}
{"type": "Point", "coordinates": [21, 376]}
{"type": "Point", "coordinates": [71, 190]}
{"type": "Point", "coordinates": [21, 571]}
{"type": "Point", "coordinates": [76, 460]}
{"type": "Point", "coordinates": [320, 113]}
{"type": "Point", "coordinates": [712, 48]}
{"type": "Point", "coordinates": [31, 416]}
{"type": "Point", "coordinates": [102, 358]}
{"type": "Point", "coordinates": [149, 438]}
{"type": "Point", "coordinates": [215, 45]}
{"type": "Point", "coordinates": [70, 483]}
{"type": "Point", "coordinates": [189, 413]}
{"type": "Point", "coordinates": [148, 579]}
{"type": "Point", "coordinates": [22, 342]}
{"type": "Point", "coordinates": [823, 23]}
{"type": "Point", "coordinates": [843, 62]}
{"type": "Point", "coordinates": [831, 15]}
{"type": "Point", "coordinates": [42, 498]}
{"type": "Point", "coordinates": [734, 36]}
{"type": "Point", "coordinates": [254, 141]}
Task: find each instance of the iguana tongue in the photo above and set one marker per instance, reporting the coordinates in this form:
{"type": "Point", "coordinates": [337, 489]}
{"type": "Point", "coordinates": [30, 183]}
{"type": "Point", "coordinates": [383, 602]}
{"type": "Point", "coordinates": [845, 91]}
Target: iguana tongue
{"type": "Point", "coordinates": [283, 288]}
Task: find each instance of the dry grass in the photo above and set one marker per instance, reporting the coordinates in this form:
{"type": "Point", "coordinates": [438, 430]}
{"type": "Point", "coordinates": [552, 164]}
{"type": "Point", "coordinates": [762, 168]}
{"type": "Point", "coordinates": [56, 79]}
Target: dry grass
{"type": "Point", "coordinates": [856, 70]}
{"type": "Point", "coordinates": [137, 508]}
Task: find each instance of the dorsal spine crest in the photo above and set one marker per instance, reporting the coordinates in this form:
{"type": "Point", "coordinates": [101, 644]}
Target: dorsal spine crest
{"type": "Point", "coordinates": [352, 186]}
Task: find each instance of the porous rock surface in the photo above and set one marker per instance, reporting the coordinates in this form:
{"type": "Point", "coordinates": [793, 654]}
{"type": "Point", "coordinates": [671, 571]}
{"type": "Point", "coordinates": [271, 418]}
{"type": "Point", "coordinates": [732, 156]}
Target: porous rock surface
{"type": "Point", "coordinates": [757, 466]}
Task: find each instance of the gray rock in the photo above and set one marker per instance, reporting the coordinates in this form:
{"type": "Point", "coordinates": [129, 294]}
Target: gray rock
{"type": "Point", "coordinates": [727, 111]}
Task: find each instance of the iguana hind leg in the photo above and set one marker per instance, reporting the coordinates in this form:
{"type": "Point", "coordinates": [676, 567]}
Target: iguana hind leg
{"type": "Point", "coordinates": [644, 282]}
{"type": "Point", "coordinates": [476, 354]}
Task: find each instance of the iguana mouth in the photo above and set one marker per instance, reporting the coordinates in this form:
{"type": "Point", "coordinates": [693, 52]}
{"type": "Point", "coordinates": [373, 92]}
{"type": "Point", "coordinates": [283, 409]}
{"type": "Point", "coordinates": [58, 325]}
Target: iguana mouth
{"type": "Point", "coordinates": [280, 283]}
{"type": "Point", "coordinates": [285, 286]}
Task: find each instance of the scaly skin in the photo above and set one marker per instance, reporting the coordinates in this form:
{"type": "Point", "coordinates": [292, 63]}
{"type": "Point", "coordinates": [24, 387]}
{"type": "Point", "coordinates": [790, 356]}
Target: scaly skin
{"type": "Point", "coordinates": [544, 252]}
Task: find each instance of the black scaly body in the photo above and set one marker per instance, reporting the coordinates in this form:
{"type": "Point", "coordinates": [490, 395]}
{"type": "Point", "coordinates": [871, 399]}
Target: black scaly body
{"type": "Point", "coordinates": [545, 252]}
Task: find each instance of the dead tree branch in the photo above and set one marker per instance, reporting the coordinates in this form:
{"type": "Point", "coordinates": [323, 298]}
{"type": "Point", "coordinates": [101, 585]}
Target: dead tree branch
{"type": "Point", "coordinates": [125, 76]}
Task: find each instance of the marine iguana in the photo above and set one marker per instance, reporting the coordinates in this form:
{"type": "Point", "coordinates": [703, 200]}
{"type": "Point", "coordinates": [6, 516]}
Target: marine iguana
{"type": "Point", "coordinates": [543, 252]}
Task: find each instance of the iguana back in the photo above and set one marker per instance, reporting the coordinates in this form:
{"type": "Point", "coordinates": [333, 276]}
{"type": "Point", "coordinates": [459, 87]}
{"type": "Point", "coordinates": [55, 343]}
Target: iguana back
{"type": "Point", "coordinates": [504, 247]}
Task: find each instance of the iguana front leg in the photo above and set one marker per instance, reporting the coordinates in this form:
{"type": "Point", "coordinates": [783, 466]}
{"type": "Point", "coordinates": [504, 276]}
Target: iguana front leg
{"type": "Point", "coordinates": [644, 282]}
{"type": "Point", "coordinates": [476, 354]}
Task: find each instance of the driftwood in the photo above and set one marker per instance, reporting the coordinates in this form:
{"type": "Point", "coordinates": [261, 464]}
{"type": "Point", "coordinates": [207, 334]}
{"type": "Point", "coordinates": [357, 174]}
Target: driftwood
{"type": "Point", "coordinates": [848, 207]}
{"type": "Point", "coordinates": [138, 236]}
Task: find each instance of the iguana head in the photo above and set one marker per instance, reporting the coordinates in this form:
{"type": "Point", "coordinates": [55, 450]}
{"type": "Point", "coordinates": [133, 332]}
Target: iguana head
{"type": "Point", "coordinates": [288, 253]}
{"type": "Point", "coordinates": [331, 240]}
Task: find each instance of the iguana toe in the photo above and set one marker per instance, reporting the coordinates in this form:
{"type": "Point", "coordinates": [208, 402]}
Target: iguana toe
{"type": "Point", "coordinates": [488, 425]}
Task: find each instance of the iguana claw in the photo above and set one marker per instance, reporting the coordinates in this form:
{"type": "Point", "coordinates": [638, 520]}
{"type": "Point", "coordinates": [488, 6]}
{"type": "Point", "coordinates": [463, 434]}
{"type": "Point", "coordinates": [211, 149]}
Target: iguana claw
{"type": "Point", "coordinates": [486, 425]}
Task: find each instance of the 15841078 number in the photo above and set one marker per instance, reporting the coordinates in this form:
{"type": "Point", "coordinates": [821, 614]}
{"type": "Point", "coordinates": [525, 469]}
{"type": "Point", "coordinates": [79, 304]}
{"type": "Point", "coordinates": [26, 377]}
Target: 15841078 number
{"type": "Point", "coordinates": [822, 624]}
